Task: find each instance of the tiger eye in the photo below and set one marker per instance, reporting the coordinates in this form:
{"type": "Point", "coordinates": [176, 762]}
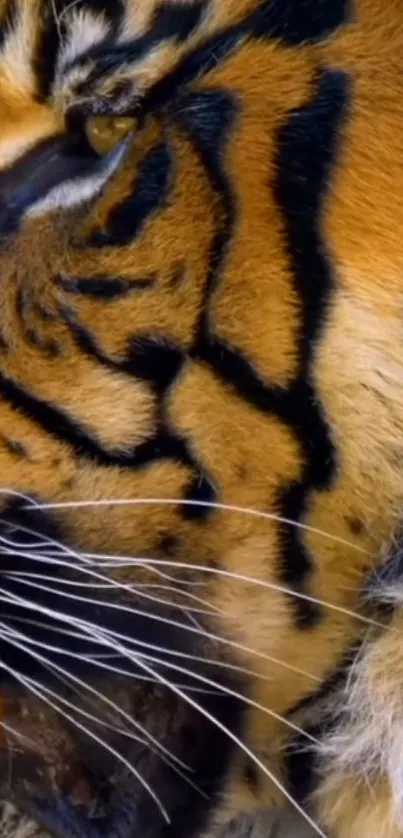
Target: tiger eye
{"type": "Point", "coordinates": [104, 133]}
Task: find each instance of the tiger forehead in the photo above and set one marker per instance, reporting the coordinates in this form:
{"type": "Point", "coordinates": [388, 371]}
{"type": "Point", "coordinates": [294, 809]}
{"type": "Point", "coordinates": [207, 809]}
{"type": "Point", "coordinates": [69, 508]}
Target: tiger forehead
{"type": "Point", "coordinates": [52, 49]}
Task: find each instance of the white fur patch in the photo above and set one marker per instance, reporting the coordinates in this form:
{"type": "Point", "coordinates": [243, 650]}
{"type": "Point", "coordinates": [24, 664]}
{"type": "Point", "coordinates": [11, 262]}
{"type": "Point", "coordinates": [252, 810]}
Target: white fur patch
{"type": "Point", "coordinates": [367, 740]}
{"type": "Point", "coordinates": [15, 57]}
{"type": "Point", "coordinates": [85, 30]}
{"type": "Point", "coordinates": [78, 190]}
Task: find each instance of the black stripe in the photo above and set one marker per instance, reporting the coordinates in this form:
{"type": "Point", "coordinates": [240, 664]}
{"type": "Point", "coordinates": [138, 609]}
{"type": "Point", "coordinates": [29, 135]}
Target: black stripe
{"type": "Point", "coordinates": [307, 147]}
{"type": "Point", "coordinates": [154, 359]}
{"type": "Point", "coordinates": [55, 422]}
{"type": "Point", "coordinates": [297, 22]}
{"type": "Point", "coordinates": [199, 62]}
{"type": "Point", "coordinates": [324, 706]}
{"type": "Point", "coordinates": [149, 194]}
{"type": "Point", "coordinates": [308, 144]}
{"type": "Point", "coordinates": [103, 287]}
{"type": "Point", "coordinates": [208, 118]}
{"type": "Point", "coordinates": [174, 22]}
{"type": "Point", "coordinates": [292, 22]}
{"type": "Point", "coordinates": [177, 20]}
{"type": "Point", "coordinates": [24, 314]}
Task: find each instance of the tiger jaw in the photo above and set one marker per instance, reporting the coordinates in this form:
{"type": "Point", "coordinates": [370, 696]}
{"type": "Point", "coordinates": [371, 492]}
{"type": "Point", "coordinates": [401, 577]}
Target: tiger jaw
{"type": "Point", "coordinates": [98, 734]}
{"type": "Point", "coordinates": [71, 788]}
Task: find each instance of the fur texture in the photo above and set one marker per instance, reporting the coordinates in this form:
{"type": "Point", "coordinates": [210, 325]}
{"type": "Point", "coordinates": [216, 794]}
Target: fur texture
{"type": "Point", "coordinates": [201, 365]}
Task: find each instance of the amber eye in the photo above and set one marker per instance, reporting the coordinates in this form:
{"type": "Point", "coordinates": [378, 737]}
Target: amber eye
{"type": "Point", "coordinates": [104, 133]}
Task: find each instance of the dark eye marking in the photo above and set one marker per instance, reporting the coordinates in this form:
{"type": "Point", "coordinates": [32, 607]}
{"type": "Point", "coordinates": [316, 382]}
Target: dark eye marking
{"type": "Point", "coordinates": [103, 287]}
{"type": "Point", "coordinates": [150, 193]}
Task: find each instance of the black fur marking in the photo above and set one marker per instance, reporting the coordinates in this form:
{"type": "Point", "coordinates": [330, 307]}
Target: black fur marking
{"type": "Point", "coordinates": [208, 117]}
{"type": "Point", "coordinates": [13, 446]}
{"type": "Point", "coordinates": [296, 22]}
{"type": "Point", "coordinates": [24, 307]}
{"type": "Point", "coordinates": [150, 192]}
{"type": "Point", "coordinates": [201, 493]}
{"type": "Point", "coordinates": [168, 545]}
{"type": "Point", "coordinates": [300, 765]}
{"type": "Point", "coordinates": [164, 445]}
{"type": "Point", "coordinates": [355, 526]}
{"type": "Point", "coordinates": [159, 362]}
{"type": "Point", "coordinates": [175, 22]}
{"type": "Point", "coordinates": [291, 22]}
{"type": "Point", "coordinates": [196, 64]}
{"type": "Point", "coordinates": [178, 277]}
{"type": "Point", "coordinates": [333, 683]}
{"type": "Point", "coordinates": [103, 287]}
{"type": "Point", "coordinates": [57, 424]}
{"type": "Point", "coordinates": [10, 12]}
{"type": "Point", "coordinates": [251, 776]}
{"type": "Point", "coordinates": [153, 360]}
{"type": "Point", "coordinates": [307, 146]}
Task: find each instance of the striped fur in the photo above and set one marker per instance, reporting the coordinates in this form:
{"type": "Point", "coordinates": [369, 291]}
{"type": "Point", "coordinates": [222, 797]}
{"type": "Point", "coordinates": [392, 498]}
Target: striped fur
{"type": "Point", "coordinates": [205, 324]}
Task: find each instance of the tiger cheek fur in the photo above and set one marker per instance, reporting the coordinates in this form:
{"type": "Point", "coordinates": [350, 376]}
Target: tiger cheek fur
{"type": "Point", "coordinates": [201, 370]}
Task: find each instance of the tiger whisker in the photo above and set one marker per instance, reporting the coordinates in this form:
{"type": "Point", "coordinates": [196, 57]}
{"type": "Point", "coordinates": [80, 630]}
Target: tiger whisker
{"type": "Point", "coordinates": [13, 731]}
{"type": "Point", "coordinates": [123, 731]}
{"type": "Point", "coordinates": [121, 561]}
{"type": "Point", "coordinates": [108, 581]}
{"type": "Point", "coordinates": [94, 691]}
{"type": "Point", "coordinates": [41, 693]}
{"type": "Point", "coordinates": [145, 562]}
{"type": "Point", "coordinates": [202, 710]}
{"type": "Point", "coordinates": [98, 659]}
{"type": "Point", "coordinates": [224, 507]}
{"type": "Point", "coordinates": [137, 588]}
{"type": "Point", "coordinates": [63, 549]}
{"type": "Point", "coordinates": [108, 725]}
{"type": "Point", "coordinates": [226, 690]}
{"type": "Point", "coordinates": [206, 634]}
{"type": "Point", "coordinates": [111, 642]}
{"type": "Point", "coordinates": [214, 684]}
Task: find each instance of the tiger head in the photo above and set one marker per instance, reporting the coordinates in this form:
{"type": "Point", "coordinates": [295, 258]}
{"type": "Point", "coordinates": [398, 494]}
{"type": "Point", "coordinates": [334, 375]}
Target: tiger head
{"type": "Point", "coordinates": [201, 401]}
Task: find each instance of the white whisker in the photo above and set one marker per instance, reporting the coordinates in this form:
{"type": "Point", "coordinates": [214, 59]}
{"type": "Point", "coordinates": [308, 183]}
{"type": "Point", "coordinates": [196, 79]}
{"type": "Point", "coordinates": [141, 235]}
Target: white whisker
{"type": "Point", "coordinates": [165, 620]}
{"type": "Point", "coordinates": [42, 694]}
{"type": "Point", "coordinates": [223, 507]}
{"type": "Point", "coordinates": [103, 560]}
{"type": "Point", "coordinates": [137, 588]}
{"type": "Point", "coordinates": [224, 689]}
{"type": "Point", "coordinates": [75, 679]}
{"type": "Point", "coordinates": [98, 659]}
{"type": "Point", "coordinates": [191, 702]}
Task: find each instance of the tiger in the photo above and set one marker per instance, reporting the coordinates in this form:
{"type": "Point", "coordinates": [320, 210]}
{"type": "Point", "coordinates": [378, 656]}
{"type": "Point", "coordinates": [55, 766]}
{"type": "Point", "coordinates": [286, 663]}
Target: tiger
{"type": "Point", "coordinates": [201, 415]}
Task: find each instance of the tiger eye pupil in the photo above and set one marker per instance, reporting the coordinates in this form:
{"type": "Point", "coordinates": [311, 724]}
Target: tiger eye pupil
{"type": "Point", "coordinates": [104, 133]}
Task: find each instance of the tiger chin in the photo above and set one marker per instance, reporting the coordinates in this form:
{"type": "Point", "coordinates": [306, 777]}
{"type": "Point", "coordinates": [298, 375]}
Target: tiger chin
{"type": "Point", "coordinates": [201, 415]}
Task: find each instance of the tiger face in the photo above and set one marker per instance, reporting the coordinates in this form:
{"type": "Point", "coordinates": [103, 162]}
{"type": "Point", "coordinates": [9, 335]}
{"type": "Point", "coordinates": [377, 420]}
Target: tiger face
{"type": "Point", "coordinates": [201, 410]}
